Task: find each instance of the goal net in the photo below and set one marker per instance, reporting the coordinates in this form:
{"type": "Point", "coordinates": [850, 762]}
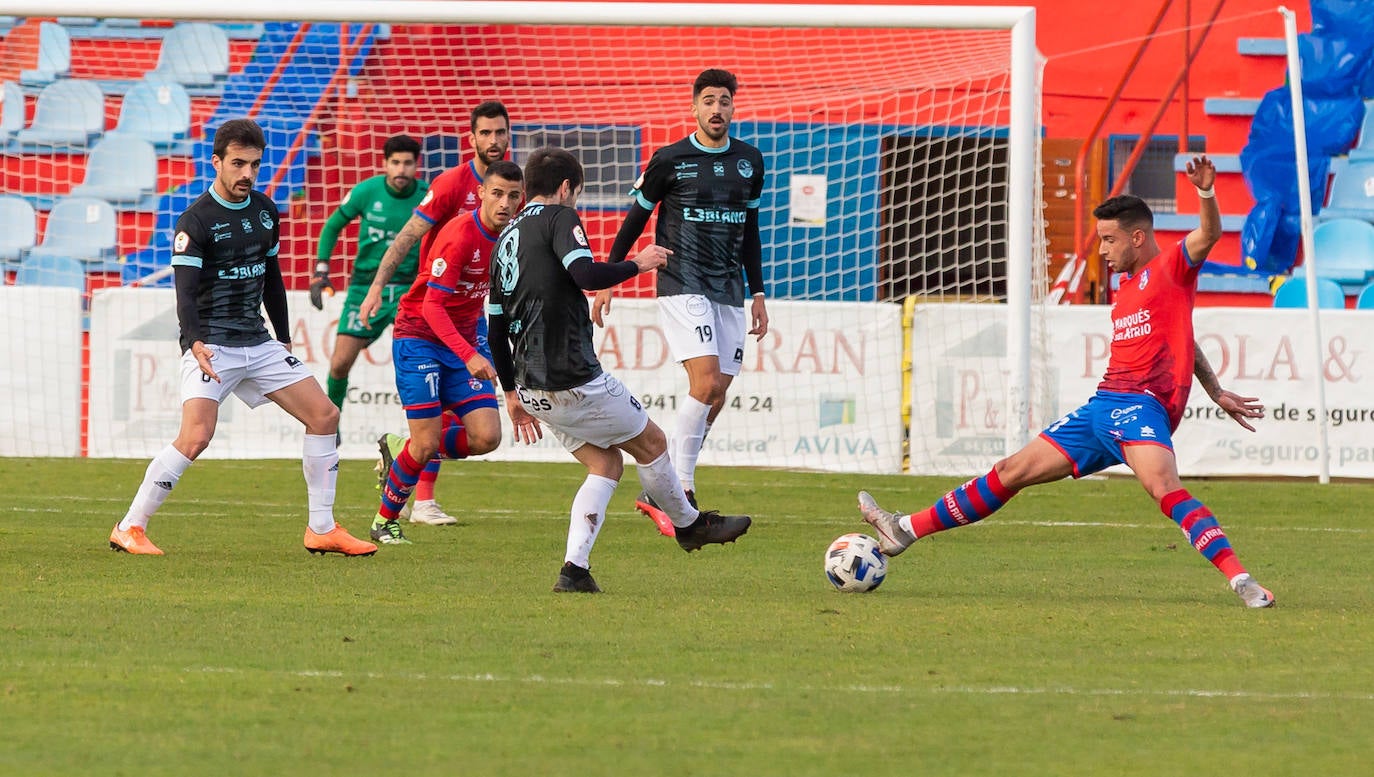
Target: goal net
{"type": "Point", "coordinates": [902, 254]}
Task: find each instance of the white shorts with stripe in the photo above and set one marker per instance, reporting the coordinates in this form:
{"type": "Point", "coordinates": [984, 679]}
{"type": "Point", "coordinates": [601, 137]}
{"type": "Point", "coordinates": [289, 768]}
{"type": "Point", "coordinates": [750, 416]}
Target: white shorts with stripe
{"type": "Point", "coordinates": [250, 373]}
{"type": "Point", "coordinates": [696, 326]}
{"type": "Point", "coordinates": [601, 411]}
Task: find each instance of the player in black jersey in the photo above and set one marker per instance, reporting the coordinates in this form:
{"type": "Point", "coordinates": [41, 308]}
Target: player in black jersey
{"type": "Point", "coordinates": [225, 261]}
{"type": "Point", "coordinates": [541, 346]}
{"type": "Point", "coordinates": [706, 188]}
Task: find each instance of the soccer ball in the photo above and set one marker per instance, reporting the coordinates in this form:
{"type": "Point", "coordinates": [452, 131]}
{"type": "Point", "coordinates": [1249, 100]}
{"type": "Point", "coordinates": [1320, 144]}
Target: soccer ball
{"type": "Point", "coordinates": [854, 563]}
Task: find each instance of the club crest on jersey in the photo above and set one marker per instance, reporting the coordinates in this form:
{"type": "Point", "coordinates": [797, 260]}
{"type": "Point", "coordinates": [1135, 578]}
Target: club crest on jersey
{"type": "Point", "coordinates": [437, 269]}
{"type": "Point", "coordinates": [1144, 278]}
{"type": "Point", "coordinates": [183, 240]}
{"type": "Point", "coordinates": [746, 170]}
{"type": "Point", "coordinates": [265, 219]}
{"type": "Point", "coordinates": [580, 236]}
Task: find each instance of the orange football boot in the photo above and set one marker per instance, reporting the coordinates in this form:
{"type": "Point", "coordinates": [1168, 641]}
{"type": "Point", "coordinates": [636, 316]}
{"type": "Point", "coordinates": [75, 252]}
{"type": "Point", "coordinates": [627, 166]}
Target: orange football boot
{"type": "Point", "coordinates": [337, 540]}
{"type": "Point", "coordinates": [133, 541]}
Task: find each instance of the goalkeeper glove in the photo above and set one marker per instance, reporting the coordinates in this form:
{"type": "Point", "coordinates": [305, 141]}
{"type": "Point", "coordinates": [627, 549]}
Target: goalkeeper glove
{"type": "Point", "coordinates": [320, 285]}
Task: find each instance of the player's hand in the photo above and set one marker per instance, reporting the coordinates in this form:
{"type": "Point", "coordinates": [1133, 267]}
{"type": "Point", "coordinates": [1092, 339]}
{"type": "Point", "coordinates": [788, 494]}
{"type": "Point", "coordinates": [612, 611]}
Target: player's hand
{"type": "Point", "coordinates": [371, 304]}
{"type": "Point", "coordinates": [1201, 172]}
{"type": "Point", "coordinates": [318, 288]}
{"type": "Point", "coordinates": [652, 258]}
{"type": "Point", "coordinates": [1240, 408]}
{"type": "Point", "coordinates": [601, 305]}
{"type": "Point", "coordinates": [758, 314]}
{"type": "Point", "coordinates": [480, 368]}
{"type": "Point", "coordinates": [526, 427]}
{"type": "Point", "coordinates": [203, 356]}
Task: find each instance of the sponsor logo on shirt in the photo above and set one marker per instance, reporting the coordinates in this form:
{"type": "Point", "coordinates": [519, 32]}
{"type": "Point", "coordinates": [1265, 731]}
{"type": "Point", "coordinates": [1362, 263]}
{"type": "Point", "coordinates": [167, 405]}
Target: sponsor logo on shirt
{"type": "Point", "coordinates": [1136, 324]}
{"type": "Point", "coordinates": [718, 169]}
{"type": "Point", "coordinates": [685, 171]}
{"type": "Point", "coordinates": [247, 225]}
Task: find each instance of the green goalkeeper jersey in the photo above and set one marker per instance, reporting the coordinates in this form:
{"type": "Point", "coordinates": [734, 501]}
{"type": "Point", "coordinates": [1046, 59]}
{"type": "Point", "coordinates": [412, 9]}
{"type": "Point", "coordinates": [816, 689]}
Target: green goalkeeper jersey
{"type": "Point", "coordinates": [384, 213]}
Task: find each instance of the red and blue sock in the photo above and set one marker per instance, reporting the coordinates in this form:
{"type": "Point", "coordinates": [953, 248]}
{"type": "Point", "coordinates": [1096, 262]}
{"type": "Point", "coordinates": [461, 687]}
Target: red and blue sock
{"type": "Point", "coordinates": [969, 503]}
{"type": "Point", "coordinates": [1203, 531]}
{"type": "Point", "coordinates": [400, 481]}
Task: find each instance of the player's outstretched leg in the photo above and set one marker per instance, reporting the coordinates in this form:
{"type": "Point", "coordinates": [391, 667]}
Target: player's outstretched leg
{"type": "Point", "coordinates": [692, 528]}
{"type": "Point", "coordinates": [1205, 534]}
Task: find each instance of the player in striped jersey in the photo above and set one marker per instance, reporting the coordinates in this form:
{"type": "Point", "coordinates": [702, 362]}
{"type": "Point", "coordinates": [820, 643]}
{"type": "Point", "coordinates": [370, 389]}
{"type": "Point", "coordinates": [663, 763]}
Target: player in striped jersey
{"type": "Point", "coordinates": [1138, 404]}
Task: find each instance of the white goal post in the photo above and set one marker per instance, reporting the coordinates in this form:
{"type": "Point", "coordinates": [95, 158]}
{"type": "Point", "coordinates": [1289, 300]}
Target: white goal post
{"type": "Point", "coordinates": [978, 273]}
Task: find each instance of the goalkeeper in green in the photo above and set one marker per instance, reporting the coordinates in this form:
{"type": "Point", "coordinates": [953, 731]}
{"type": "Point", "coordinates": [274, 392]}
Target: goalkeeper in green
{"type": "Point", "coordinates": [384, 203]}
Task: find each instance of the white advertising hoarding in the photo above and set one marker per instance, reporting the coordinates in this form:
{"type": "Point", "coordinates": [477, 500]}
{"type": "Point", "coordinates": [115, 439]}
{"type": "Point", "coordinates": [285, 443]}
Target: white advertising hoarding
{"type": "Point", "coordinates": [1259, 352]}
{"type": "Point", "coordinates": [822, 391]}
{"type": "Point", "coordinates": [40, 371]}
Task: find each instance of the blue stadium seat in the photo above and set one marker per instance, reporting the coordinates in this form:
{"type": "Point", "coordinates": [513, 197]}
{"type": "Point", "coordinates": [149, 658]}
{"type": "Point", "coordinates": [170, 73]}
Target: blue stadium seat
{"type": "Point", "coordinates": [54, 56]}
{"type": "Point", "coordinates": [18, 228]}
{"type": "Point", "coordinates": [1366, 299]}
{"type": "Point", "coordinates": [1345, 250]}
{"type": "Point", "coordinates": [121, 171]}
{"type": "Point", "coordinates": [69, 113]}
{"type": "Point", "coordinates": [80, 227]}
{"type": "Point", "coordinates": [1352, 192]}
{"type": "Point", "coordinates": [156, 111]}
{"type": "Point", "coordinates": [193, 54]}
{"type": "Point", "coordinates": [52, 270]}
{"type": "Point", "coordinates": [1293, 294]}
{"type": "Point", "coordinates": [11, 110]}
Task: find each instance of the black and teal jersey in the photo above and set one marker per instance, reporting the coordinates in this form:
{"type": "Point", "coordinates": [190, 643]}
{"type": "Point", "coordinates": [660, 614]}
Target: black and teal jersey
{"type": "Point", "coordinates": [704, 196]}
{"type": "Point", "coordinates": [546, 313]}
{"type": "Point", "coordinates": [231, 243]}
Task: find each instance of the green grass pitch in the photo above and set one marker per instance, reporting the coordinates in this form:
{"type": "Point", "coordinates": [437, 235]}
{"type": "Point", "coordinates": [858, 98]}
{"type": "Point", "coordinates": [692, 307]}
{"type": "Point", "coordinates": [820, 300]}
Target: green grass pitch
{"type": "Point", "coordinates": [1075, 633]}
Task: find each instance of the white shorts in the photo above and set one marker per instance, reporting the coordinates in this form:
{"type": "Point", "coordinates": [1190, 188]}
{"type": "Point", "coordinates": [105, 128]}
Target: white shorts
{"type": "Point", "coordinates": [251, 373]}
{"type": "Point", "coordinates": [695, 326]}
{"type": "Point", "coordinates": [601, 411]}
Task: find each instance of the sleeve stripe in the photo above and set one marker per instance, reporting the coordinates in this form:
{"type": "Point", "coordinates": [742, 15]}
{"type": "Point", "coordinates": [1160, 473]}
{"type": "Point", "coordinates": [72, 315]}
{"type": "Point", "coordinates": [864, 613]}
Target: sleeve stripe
{"type": "Point", "coordinates": [581, 253]}
{"type": "Point", "coordinates": [275, 249]}
{"type": "Point", "coordinates": [440, 287]}
{"type": "Point", "coordinates": [494, 309]}
{"type": "Point", "coordinates": [424, 216]}
{"type": "Point", "coordinates": [188, 261]}
{"type": "Point", "coordinates": [639, 198]}
{"type": "Point", "coordinates": [753, 204]}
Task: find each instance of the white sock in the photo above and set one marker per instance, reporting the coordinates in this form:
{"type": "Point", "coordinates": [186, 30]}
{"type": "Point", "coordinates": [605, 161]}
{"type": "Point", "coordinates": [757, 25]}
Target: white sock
{"type": "Point", "coordinates": [659, 479]}
{"type": "Point", "coordinates": [162, 475]}
{"type": "Point", "coordinates": [320, 463]}
{"type": "Point", "coordinates": [688, 434]}
{"type": "Point", "coordinates": [588, 514]}
{"type": "Point", "coordinates": [905, 523]}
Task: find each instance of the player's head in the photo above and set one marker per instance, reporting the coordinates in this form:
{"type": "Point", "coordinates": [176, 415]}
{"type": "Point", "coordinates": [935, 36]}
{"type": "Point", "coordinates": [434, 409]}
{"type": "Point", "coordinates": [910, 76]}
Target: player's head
{"type": "Point", "coordinates": [236, 157]}
{"type": "Point", "coordinates": [402, 158]}
{"type": "Point", "coordinates": [713, 104]}
{"type": "Point", "coordinates": [489, 132]}
{"type": "Point", "coordinates": [548, 170]}
{"type": "Point", "coordinates": [1125, 231]}
{"type": "Point", "coordinates": [501, 193]}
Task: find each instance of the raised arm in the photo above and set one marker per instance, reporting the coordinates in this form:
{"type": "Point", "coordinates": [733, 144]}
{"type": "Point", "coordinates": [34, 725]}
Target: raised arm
{"type": "Point", "coordinates": [1238, 407]}
{"type": "Point", "coordinates": [1203, 175]}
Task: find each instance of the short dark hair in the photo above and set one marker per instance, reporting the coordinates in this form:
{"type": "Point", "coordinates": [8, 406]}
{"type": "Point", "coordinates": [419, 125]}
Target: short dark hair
{"type": "Point", "coordinates": [504, 168]}
{"type": "Point", "coordinates": [715, 77]}
{"type": "Point", "coordinates": [1128, 209]}
{"type": "Point", "coordinates": [547, 168]}
{"type": "Point", "coordinates": [491, 109]}
{"type": "Point", "coordinates": [401, 144]}
{"type": "Point", "coordinates": [244, 132]}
